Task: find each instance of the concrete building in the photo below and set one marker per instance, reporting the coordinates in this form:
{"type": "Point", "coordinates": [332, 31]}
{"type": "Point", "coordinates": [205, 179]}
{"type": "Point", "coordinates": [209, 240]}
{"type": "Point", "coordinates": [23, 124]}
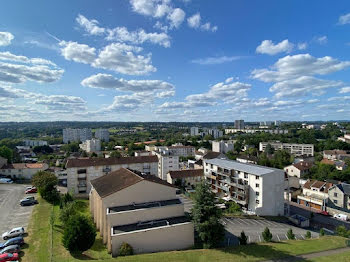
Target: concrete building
{"type": "Point", "coordinates": [143, 153]}
{"type": "Point", "coordinates": [345, 138]}
{"type": "Point", "coordinates": [239, 124]}
{"type": "Point", "coordinates": [315, 194]}
{"type": "Point", "coordinates": [93, 145]}
{"type": "Point", "coordinates": [80, 171]}
{"type": "Point", "coordinates": [33, 143]}
{"type": "Point", "coordinates": [257, 188]}
{"type": "Point", "coordinates": [247, 159]}
{"type": "Point", "coordinates": [252, 131]}
{"type": "Point", "coordinates": [141, 210]}
{"type": "Point", "coordinates": [339, 199]}
{"type": "Point", "coordinates": [102, 134]}
{"type": "Point", "coordinates": [294, 149]}
{"type": "Point", "coordinates": [166, 162]}
{"type": "Point", "coordinates": [76, 135]}
{"type": "Point", "coordinates": [335, 154]}
{"type": "Point", "coordinates": [188, 177]}
{"type": "Point", "coordinates": [216, 133]}
{"type": "Point", "coordinates": [23, 171]}
{"type": "Point", "coordinates": [180, 150]}
{"type": "Point", "coordinates": [194, 131]}
{"type": "Point", "coordinates": [222, 146]}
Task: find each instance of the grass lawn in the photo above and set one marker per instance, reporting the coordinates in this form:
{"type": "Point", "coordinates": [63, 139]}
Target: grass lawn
{"type": "Point", "coordinates": [40, 250]}
{"type": "Point", "coordinates": [343, 257]}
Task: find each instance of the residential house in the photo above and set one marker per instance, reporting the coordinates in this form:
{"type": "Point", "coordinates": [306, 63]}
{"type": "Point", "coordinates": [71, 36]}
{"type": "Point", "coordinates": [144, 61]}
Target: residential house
{"type": "Point", "coordinates": [315, 194]}
{"type": "Point", "coordinates": [140, 210]}
{"type": "Point", "coordinates": [187, 177]}
{"type": "Point", "coordinates": [334, 154]}
{"type": "Point", "coordinates": [297, 171]}
{"type": "Point", "coordinates": [339, 164]}
{"type": "Point", "coordinates": [339, 199]}
{"type": "Point", "coordinates": [23, 171]}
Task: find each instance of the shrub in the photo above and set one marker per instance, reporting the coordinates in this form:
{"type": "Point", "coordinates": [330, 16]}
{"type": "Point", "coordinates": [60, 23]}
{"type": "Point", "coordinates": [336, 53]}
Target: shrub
{"type": "Point", "coordinates": [126, 250]}
{"type": "Point", "coordinates": [342, 231]}
{"type": "Point", "coordinates": [322, 232]}
{"type": "Point", "coordinates": [79, 234]}
{"type": "Point", "coordinates": [67, 197]}
{"type": "Point", "coordinates": [290, 234]}
{"type": "Point", "coordinates": [233, 208]}
{"type": "Point", "coordinates": [266, 234]}
{"type": "Point", "coordinates": [308, 235]}
{"type": "Point", "coordinates": [243, 239]}
{"type": "Point", "coordinates": [68, 210]}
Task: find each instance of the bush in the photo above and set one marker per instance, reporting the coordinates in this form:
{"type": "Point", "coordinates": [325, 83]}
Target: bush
{"type": "Point", "coordinates": [342, 231]}
{"type": "Point", "coordinates": [69, 210]}
{"type": "Point", "coordinates": [126, 250]}
{"type": "Point", "coordinates": [243, 239]}
{"type": "Point", "coordinates": [308, 235]}
{"type": "Point", "coordinates": [233, 208]}
{"type": "Point", "coordinates": [66, 198]}
{"type": "Point", "coordinates": [322, 232]}
{"type": "Point", "coordinates": [290, 234]}
{"type": "Point", "coordinates": [266, 234]}
{"type": "Point", "coordinates": [79, 234]}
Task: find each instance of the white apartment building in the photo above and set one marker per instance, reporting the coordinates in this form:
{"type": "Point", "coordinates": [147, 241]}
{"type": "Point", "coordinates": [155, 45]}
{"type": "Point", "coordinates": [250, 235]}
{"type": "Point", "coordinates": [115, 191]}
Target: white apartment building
{"type": "Point", "coordinates": [252, 131]}
{"type": "Point", "coordinates": [33, 143]}
{"type": "Point", "coordinates": [80, 171]}
{"type": "Point", "coordinates": [239, 124]}
{"type": "Point", "coordinates": [102, 134]}
{"type": "Point", "coordinates": [141, 210]}
{"type": "Point", "coordinates": [76, 135]}
{"type": "Point", "coordinates": [222, 146]}
{"type": "Point", "coordinates": [260, 189]}
{"type": "Point", "coordinates": [294, 149]}
{"type": "Point", "coordinates": [22, 170]}
{"type": "Point", "coordinates": [194, 131]}
{"type": "Point", "coordinates": [216, 133]}
{"type": "Point", "coordinates": [166, 162]}
{"type": "Point", "coordinates": [92, 145]}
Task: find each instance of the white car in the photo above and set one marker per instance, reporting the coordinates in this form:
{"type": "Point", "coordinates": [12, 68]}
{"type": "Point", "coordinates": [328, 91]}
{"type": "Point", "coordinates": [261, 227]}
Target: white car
{"type": "Point", "coordinates": [5, 181]}
{"type": "Point", "coordinates": [14, 232]}
{"type": "Point", "coordinates": [341, 217]}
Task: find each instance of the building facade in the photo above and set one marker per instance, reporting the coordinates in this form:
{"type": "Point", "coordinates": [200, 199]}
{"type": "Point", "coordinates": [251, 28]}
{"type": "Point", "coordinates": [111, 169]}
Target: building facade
{"type": "Point", "coordinates": [81, 171]}
{"type": "Point", "coordinates": [76, 135]}
{"type": "Point", "coordinates": [239, 124]}
{"type": "Point", "coordinates": [222, 146]}
{"type": "Point", "coordinates": [92, 145]}
{"type": "Point", "coordinates": [34, 143]}
{"type": "Point", "coordinates": [187, 177]}
{"type": "Point", "coordinates": [339, 198]}
{"type": "Point", "coordinates": [294, 149]}
{"type": "Point", "coordinates": [315, 194]}
{"type": "Point", "coordinates": [102, 134]}
{"type": "Point", "coordinates": [257, 188]}
{"type": "Point", "coordinates": [23, 171]}
{"type": "Point", "coordinates": [166, 162]}
{"type": "Point", "coordinates": [252, 131]}
{"type": "Point", "coordinates": [194, 131]}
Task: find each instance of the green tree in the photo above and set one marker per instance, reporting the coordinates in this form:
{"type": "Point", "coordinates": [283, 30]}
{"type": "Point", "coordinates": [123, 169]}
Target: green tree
{"type": "Point", "coordinates": [308, 235]}
{"type": "Point", "coordinates": [266, 234]}
{"type": "Point", "coordinates": [46, 183]}
{"type": "Point", "coordinates": [322, 233]}
{"type": "Point", "coordinates": [233, 208]}
{"type": "Point", "coordinates": [290, 234]}
{"type": "Point", "coordinates": [67, 198]}
{"type": "Point", "coordinates": [79, 234]}
{"type": "Point", "coordinates": [342, 231]}
{"type": "Point", "coordinates": [243, 239]}
{"type": "Point", "coordinates": [269, 149]}
{"type": "Point", "coordinates": [206, 217]}
{"type": "Point", "coordinates": [115, 154]}
{"type": "Point", "coordinates": [7, 153]}
{"type": "Point", "coordinates": [69, 210]}
{"type": "Point", "coordinates": [125, 250]}
{"type": "Point", "coordinates": [43, 149]}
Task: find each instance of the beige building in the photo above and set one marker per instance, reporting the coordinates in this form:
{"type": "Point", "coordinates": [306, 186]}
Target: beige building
{"type": "Point", "coordinates": [339, 198]}
{"type": "Point", "coordinates": [188, 177]}
{"type": "Point", "coordinates": [141, 210]}
{"type": "Point", "coordinates": [299, 169]}
{"type": "Point", "coordinates": [222, 146]}
{"type": "Point", "coordinates": [22, 170]}
{"type": "Point", "coordinates": [80, 171]}
{"type": "Point", "coordinates": [315, 194]}
{"type": "Point", "coordinates": [294, 149]}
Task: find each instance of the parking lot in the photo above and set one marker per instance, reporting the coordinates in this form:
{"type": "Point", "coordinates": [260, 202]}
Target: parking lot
{"type": "Point", "coordinates": [254, 227]}
{"type": "Point", "coordinates": [12, 214]}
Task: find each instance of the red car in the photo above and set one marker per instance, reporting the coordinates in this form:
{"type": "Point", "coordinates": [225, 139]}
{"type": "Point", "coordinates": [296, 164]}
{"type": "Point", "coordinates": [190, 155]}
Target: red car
{"type": "Point", "coordinates": [9, 257]}
{"type": "Point", "coordinates": [324, 213]}
{"type": "Point", "coordinates": [31, 190]}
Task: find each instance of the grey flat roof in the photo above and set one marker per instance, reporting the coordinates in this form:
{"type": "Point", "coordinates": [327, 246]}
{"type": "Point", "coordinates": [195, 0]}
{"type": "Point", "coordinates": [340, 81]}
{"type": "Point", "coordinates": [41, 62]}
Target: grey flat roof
{"type": "Point", "coordinates": [150, 224]}
{"type": "Point", "coordinates": [136, 206]}
{"type": "Point", "coordinates": [248, 168]}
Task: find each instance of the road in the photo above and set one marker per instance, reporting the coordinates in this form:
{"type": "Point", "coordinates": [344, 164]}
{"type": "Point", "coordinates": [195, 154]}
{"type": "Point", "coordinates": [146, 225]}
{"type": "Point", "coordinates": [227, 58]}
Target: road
{"type": "Point", "coordinates": [12, 214]}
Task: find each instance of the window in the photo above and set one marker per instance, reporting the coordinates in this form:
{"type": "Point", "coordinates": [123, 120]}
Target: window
{"type": "Point", "coordinates": [257, 193]}
{"type": "Point", "coordinates": [335, 194]}
{"type": "Point", "coordinates": [257, 201]}
{"type": "Point", "coordinates": [246, 176]}
{"type": "Point", "coordinates": [81, 171]}
{"type": "Point", "coordinates": [257, 177]}
{"type": "Point", "coordinates": [256, 185]}
{"type": "Point", "coordinates": [335, 201]}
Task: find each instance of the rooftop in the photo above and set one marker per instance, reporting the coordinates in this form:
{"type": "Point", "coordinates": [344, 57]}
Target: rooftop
{"type": "Point", "coordinates": [186, 173]}
{"type": "Point", "coordinates": [136, 206]}
{"type": "Point", "coordinates": [24, 166]}
{"type": "Point", "coordinates": [248, 168]}
{"type": "Point", "coordinates": [150, 224]}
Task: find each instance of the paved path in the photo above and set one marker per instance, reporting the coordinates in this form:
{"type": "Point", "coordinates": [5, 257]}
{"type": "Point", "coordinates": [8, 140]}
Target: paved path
{"type": "Point", "coordinates": [311, 255]}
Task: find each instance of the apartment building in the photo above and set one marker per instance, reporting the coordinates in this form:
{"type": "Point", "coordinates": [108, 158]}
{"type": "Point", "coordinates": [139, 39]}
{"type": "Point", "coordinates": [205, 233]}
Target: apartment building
{"type": "Point", "coordinates": [339, 199]}
{"type": "Point", "coordinates": [80, 171]}
{"type": "Point", "coordinates": [252, 131]}
{"type": "Point", "coordinates": [187, 177]}
{"type": "Point", "coordinates": [294, 149]}
{"type": "Point", "coordinates": [92, 145]}
{"type": "Point", "coordinates": [22, 170]}
{"type": "Point", "coordinates": [102, 134]}
{"type": "Point", "coordinates": [166, 162]}
{"type": "Point", "coordinates": [194, 131]}
{"type": "Point", "coordinates": [216, 133]}
{"type": "Point", "coordinates": [141, 210]}
{"type": "Point", "coordinates": [315, 194]}
{"type": "Point", "coordinates": [180, 150]}
{"type": "Point", "coordinates": [239, 124]}
{"type": "Point", "coordinates": [33, 143]}
{"type": "Point", "coordinates": [259, 189]}
{"type": "Point", "coordinates": [76, 135]}
{"type": "Point", "coordinates": [222, 146]}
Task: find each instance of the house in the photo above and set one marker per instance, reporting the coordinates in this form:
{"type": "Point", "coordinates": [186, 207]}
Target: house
{"type": "Point", "coordinates": [293, 149]}
{"type": "Point", "coordinates": [333, 154]}
{"type": "Point", "coordinates": [187, 177]}
{"type": "Point", "coordinates": [315, 194]}
{"type": "Point", "coordinates": [80, 171]}
{"type": "Point", "coordinates": [23, 171]}
{"type": "Point", "coordinates": [339, 164]}
{"type": "Point", "coordinates": [259, 189]}
{"type": "Point", "coordinates": [339, 199]}
{"type": "Point", "coordinates": [299, 169]}
{"type": "Point", "coordinates": [141, 210]}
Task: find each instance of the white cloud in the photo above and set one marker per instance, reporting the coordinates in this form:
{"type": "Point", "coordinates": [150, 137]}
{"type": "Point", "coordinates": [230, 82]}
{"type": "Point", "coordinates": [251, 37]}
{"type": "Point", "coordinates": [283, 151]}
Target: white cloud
{"type": "Point", "coordinates": [268, 47]}
{"type": "Point", "coordinates": [322, 40]}
{"type": "Point", "coordinates": [108, 81]}
{"type": "Point", "coordinates": [166, 94]}
{"type": "Point", "coordinates": [127, 103]}
{"type": "Point", "coordinates": [195, 22]}
{"type": "Point", "coordinates": [76, 52]}
{"type": "Point", "coordinates": [90, 26]}
{"type": "Point", "coordinates": [121, 58]}
{"type": "Point", "coordinates": [339, 98]}
{"type": "Point", "coordinates": [7, 56]}
{"type": "Point", "coordinates": [290, 67]}
{"type": "Point", "coordinates": [6, 38]}
{"type": "Point", "coordinates": [344, 90]}
{"type": "Point", "coordinates": [176, 17]}
{"type": "Point", "coordinates": [216, 60]}
{"type": "Point", "coordinates": [61, 102]}
{"type": "Point", "coordinates": [344, 19]}
{"type": "Point", "coordinates": [302, 46]}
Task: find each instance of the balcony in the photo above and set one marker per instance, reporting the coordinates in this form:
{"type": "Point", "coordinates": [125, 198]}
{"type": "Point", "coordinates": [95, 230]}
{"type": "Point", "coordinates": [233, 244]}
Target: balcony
{"type": "Point", "coordinates": [82, 176]}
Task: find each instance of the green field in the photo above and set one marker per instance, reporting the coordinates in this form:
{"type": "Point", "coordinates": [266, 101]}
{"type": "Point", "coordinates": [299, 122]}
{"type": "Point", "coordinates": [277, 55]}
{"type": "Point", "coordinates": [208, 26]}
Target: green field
{"type": "Point", "coordinates": [40, 236]}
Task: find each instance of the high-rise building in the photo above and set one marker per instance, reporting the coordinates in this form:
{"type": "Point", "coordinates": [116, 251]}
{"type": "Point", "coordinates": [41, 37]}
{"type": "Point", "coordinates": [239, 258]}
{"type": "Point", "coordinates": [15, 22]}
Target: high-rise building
{"type": "Point", "coordinates": [76, 135]}
{"type": "Point", "coordinates": [194, 131]}
{"type": "Point", "coordinates": [222, 146]}
{"type": "Point", "coordinates": [93, 145]}
{"type": "Point", "coordinates": [239, 124]}
{"type": "Point", "coordinates": [216, 133]}
{"type": "Point", "coordinates": [102, 134]}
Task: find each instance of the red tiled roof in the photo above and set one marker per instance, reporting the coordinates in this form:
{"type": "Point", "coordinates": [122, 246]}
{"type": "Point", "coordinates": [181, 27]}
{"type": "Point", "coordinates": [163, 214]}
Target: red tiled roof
{"type": "Point", "coordinates": [303, 165]}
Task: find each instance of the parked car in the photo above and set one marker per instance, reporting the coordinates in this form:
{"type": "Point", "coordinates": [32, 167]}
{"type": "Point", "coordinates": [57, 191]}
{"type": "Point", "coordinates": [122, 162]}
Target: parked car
{"type": "Point", "coordinates": [31, 190]}
{"type": "Point", "coordinates": [341, 217]}
{"type": "Point", "coordinates": [10, 249]}
{"type": "Point", "coordinates": [9, 257]}
{"type": "Point", "coordinates": [14, 232]}
{"type": "Point", "coordinates": [324, 213]}
{"type": "Point", "coordinates": [12, 241]}
{"type": "Point", "coordinates": [28, 201]}
{"type": "Point", "coordinates": [6, 181]}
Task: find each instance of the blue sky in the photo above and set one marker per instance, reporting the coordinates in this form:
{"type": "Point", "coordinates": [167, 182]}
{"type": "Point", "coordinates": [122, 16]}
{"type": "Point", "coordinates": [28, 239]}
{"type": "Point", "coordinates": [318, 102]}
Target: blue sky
{"type": "Point", "coordinates": [174, 60]}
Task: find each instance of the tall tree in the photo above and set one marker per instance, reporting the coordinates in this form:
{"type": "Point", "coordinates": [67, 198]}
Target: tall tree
{"type": "Point", "coordinates": [206, 217]}
{"type": "Point", "coordinates": [7, 153]}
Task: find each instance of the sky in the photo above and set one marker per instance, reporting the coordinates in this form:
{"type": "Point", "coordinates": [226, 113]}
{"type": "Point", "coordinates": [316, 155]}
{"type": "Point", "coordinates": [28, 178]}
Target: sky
{"type": "Point", "coordinates": [174, 60]}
